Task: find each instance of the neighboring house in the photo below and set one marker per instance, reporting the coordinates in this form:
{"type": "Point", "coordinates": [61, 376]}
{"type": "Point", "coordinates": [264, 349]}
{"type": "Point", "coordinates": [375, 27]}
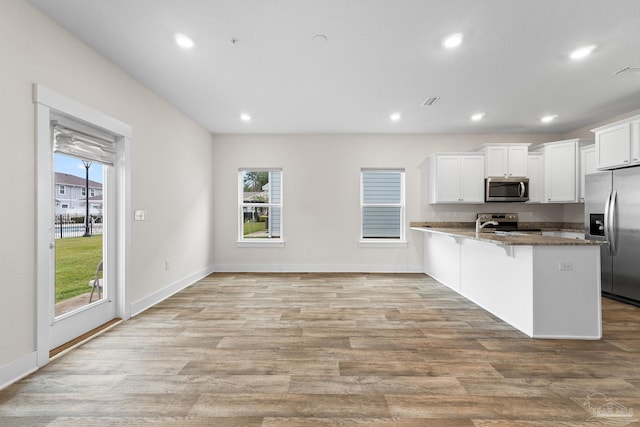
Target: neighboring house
{"type": "Point", "coordinates": [71, 196]}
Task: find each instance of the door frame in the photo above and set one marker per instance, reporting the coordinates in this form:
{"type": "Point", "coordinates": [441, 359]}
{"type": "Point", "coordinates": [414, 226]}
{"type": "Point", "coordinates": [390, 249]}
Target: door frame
{"type": "Point", "coordinates": [47, 103]}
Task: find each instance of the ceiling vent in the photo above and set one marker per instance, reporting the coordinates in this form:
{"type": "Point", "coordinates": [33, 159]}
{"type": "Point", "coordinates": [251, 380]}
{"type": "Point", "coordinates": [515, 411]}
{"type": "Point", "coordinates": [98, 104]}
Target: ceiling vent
{"type": "Point", "coordinates": [431, 101]}
{"type": "Point", "coordinates": [628, 70]}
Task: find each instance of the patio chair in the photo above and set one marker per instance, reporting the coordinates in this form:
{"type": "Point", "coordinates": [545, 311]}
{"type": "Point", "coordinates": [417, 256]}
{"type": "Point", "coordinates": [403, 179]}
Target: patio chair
{"type": "Point", "coordinates": [96, 283]}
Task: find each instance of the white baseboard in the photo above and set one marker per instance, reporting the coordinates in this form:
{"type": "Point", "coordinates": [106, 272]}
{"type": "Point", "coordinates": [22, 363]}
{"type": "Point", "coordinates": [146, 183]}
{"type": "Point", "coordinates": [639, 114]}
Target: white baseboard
{"type": "Point", "coordinates": [141, 305]}
{"type": "Point", "coordinates": [317, 268]}
{"type": "Point", "coordinates": [17, 369]}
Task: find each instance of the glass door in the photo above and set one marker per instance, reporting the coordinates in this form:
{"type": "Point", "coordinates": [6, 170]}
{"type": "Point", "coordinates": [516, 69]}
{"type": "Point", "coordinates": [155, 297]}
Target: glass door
{"type": "Point", "coordinates": [82, 291]}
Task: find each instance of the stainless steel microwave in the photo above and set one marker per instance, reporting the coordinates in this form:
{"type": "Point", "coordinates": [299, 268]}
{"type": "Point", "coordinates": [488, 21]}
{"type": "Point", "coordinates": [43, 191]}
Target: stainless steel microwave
{"type": "Point", "coordinates": [512, 189]}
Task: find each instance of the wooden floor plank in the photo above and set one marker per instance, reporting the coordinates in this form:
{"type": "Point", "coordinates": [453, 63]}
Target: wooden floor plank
{"type": "Point", "coordinates": [311, 349]}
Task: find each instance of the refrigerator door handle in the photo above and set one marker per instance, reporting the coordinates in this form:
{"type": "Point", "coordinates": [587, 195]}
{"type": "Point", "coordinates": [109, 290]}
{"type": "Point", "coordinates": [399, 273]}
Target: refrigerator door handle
{"type": "Point", "coordinates": [607, 222]}
{"type": "Point", "coordinates": [612, 223]}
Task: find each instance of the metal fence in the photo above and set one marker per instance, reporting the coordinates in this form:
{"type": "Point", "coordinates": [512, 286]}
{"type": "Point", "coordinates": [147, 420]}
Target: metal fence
{"type": "Point", "coordinates": [74, 226]}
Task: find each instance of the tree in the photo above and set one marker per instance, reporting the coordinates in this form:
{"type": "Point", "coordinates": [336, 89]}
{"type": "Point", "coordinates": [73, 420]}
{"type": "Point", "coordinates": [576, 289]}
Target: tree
{"type": "Point", "coordinates": [254, 181]}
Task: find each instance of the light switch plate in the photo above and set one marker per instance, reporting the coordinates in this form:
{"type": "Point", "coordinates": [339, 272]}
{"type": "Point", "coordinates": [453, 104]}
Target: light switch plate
{"type": "Point", "coordinates": [139, 215]}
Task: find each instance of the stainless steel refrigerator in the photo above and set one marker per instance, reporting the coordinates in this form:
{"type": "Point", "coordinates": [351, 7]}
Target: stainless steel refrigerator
{"type": "Point", "coordinates": [612, 214]}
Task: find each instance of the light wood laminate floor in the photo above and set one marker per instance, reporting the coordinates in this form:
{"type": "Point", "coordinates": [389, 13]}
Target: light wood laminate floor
{"type": "Point", "coordinates": [375, 350]}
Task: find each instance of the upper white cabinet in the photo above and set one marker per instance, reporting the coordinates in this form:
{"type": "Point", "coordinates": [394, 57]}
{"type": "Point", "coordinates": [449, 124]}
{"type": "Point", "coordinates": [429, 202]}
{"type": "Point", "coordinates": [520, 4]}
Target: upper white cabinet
{"type": "Point", "coordinates": [505, 159]}
{"type": "Point", "coordinates": [587, 165]}
{"type": "Point", "coordinates": [561, 170]}
{"type": "Point", "coordinates": [535, 168]}
{"type": "Point", "coordinates": [618, 144]}
{"type": "Point", "coordinates": [456, 178]}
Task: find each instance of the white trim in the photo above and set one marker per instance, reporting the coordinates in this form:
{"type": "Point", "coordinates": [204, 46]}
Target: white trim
{"type": "Point", "coordinates": [243, 242]}
{"type": "Point", "coordinates": [383, 243]}
{"type": "Point", "coordinates": [401, 205]}
{"type": "Point", "coordinates": [17, 369]}
{"type": "Point", "coordinates": [260, 243]}
{"type": "Point", "coordinates": [149, 301]}
{"type": "Point", "coordinates": [47, 103]}
{"type": "Point", "coordinates": [317, 268]}
{"type": "Point", "coordinates": [71, 107]}
{"type": "Point", "coordinates": [567, 337]}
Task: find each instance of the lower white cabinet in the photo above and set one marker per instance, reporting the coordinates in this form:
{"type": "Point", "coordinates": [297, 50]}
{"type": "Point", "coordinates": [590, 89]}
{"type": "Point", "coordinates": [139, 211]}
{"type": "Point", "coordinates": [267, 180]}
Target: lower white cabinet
{"type": "Point", "coordinates": [456, 178]}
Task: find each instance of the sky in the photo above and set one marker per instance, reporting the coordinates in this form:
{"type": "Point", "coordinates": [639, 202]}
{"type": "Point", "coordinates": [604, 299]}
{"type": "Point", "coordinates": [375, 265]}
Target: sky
{"type": "Point", "coordinates": [74, 166]}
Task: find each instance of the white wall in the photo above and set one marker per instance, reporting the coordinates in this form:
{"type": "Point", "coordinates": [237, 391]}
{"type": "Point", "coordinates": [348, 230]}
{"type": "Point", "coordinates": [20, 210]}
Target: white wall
{"type": "Point", "coordinates": [321, 191]}
{"type": "Point", "coordinates": [171, 171]}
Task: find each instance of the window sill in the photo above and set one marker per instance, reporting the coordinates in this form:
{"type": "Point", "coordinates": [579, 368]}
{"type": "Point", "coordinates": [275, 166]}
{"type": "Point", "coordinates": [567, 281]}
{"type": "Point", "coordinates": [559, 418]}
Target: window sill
{"type": "Point", "coordinates": [382, 243]}
{"type": "Point", "coordinates": [260, 243]}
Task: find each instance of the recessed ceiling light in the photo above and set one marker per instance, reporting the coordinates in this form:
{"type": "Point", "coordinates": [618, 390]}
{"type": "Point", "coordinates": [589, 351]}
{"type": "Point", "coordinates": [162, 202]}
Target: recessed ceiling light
{"type": "Point", "coordinates": [452, 41]}
{"type": "Point", "coordinates": [583, 52]}
{"type": "Point", "coordinates": [394, 117]}
{"type": "Point", "coordinates": [549, 118]}
{"type": "Point", "coordinates": [245, 117]}
{"type": "Point", "coordinates": [477, 117]}
{"type": "Point", "coordinates": [184, 41]}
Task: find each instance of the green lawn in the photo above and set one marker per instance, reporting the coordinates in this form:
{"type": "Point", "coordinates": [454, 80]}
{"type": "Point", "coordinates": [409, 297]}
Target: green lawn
{"type": "Point", "coordinates": [76, 262]}
{"type": "Point", "coordinates": [252, 227]}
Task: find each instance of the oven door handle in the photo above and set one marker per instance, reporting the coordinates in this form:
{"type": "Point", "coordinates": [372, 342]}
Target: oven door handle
{"type": "Point", "coordinates": [522, 190]}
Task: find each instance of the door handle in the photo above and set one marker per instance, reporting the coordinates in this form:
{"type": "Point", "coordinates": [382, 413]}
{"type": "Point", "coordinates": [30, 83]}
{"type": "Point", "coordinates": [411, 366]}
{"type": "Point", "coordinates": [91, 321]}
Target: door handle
{"type": "Point", "coordinates": [612, 223]}
{"type": "Point", "coordinates": [52, 245]}
{"type": "Point", "coordinates": [607, 221]}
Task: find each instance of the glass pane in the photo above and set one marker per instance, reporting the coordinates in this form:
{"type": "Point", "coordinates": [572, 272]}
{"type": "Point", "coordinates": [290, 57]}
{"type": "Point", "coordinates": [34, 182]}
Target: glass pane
{"type": "Point", "coordinates": [261, 222]}
{"type": "Point", "coordinates": [78, 237]}
{"type": "Point", "coordinates": [261, 187]}
{"type": "Point", "coordinates": [381, 222]}
{"type": "Point", "coordinates": [381, 187]}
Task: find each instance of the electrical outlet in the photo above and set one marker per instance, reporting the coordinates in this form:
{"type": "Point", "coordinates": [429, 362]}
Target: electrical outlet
{"type": "Point", "coordinates": [167, 264]}
{"type": "Point", "coordinates": [565, 266]}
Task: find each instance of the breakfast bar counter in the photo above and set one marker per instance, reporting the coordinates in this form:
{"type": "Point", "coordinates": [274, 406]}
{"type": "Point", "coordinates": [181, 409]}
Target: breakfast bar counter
{"type": "Point", "coordinates": [546, 287]}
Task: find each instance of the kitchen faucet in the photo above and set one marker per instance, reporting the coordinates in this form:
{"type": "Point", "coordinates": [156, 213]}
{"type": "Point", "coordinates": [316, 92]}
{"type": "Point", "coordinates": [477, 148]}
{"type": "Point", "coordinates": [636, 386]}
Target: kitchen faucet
{"type": "Point", "coordinates": [480, 225]}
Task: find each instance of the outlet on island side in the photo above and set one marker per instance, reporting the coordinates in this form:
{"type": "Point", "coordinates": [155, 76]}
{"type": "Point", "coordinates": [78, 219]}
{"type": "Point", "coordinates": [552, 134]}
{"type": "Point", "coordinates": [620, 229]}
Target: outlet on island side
{"type": "Point", "coordinates": [565, 266]}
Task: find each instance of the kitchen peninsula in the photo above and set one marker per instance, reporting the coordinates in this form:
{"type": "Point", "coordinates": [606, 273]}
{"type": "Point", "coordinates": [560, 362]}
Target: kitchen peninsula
{"type": "Point", "coordinates": [546, 287]}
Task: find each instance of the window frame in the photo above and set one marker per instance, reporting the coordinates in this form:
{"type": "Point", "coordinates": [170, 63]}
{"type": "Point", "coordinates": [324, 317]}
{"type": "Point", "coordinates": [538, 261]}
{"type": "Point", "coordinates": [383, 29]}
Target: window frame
{"type": "Point", "coordinates": [392, 241]}
{"type": "Point", "coordinates": [61, 190]}
{"type": "Point", "coordinates": [259, 241]}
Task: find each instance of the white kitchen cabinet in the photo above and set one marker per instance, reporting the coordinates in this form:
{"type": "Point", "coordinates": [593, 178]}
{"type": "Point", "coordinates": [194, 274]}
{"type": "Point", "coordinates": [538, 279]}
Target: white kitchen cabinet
{"type": "Point", "coordinates": [535, 168]}
{"type": "Point", "coordinates": [587, 165]}
{"type": "Point", "coordinates": [505, 160]}
{"type": "Point", "coordinates": [635, 141]}
{"type": "Point", "coordinates": [618, 144]}
{"type": "Point", "coordinates": [561, 170]}
{"type": "Point", "coordinates": [456, 178]}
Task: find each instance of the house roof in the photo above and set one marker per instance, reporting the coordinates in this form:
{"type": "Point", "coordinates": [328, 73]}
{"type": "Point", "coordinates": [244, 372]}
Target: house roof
{"type": "Point", "coordinates": [67, 179]}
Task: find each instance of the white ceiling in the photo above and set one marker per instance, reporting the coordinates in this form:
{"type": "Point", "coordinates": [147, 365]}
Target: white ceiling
{"type": "Point", "coordinates": [380, 57]}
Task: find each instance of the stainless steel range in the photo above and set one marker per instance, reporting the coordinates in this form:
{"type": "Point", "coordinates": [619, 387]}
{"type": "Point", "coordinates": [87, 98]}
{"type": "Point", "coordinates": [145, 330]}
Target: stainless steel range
{"type": "Point", "coordinates": [505, 222]}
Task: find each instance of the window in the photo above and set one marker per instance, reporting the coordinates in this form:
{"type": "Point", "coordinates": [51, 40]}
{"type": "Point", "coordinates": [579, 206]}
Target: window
{"type": "Point", "coordinates": [382, 202]}
{"type": "Point", "coordinates": [61, 189]}
{"type": "Point", "coordinates": [84, 191]}
{"type": "Point", "coordinates": [260, 205]}
{"type": "Point", "coordinates": [65, 206]}
{"type": "Point", "coordinates": [92, 192]}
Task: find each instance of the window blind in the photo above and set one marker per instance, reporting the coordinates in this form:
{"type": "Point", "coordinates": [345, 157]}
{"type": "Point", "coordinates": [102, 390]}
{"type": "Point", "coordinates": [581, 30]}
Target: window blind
{"type": "Point", "coordinates": [381, 204]}
{"type": "Point", "coordinates": [83, 146]}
